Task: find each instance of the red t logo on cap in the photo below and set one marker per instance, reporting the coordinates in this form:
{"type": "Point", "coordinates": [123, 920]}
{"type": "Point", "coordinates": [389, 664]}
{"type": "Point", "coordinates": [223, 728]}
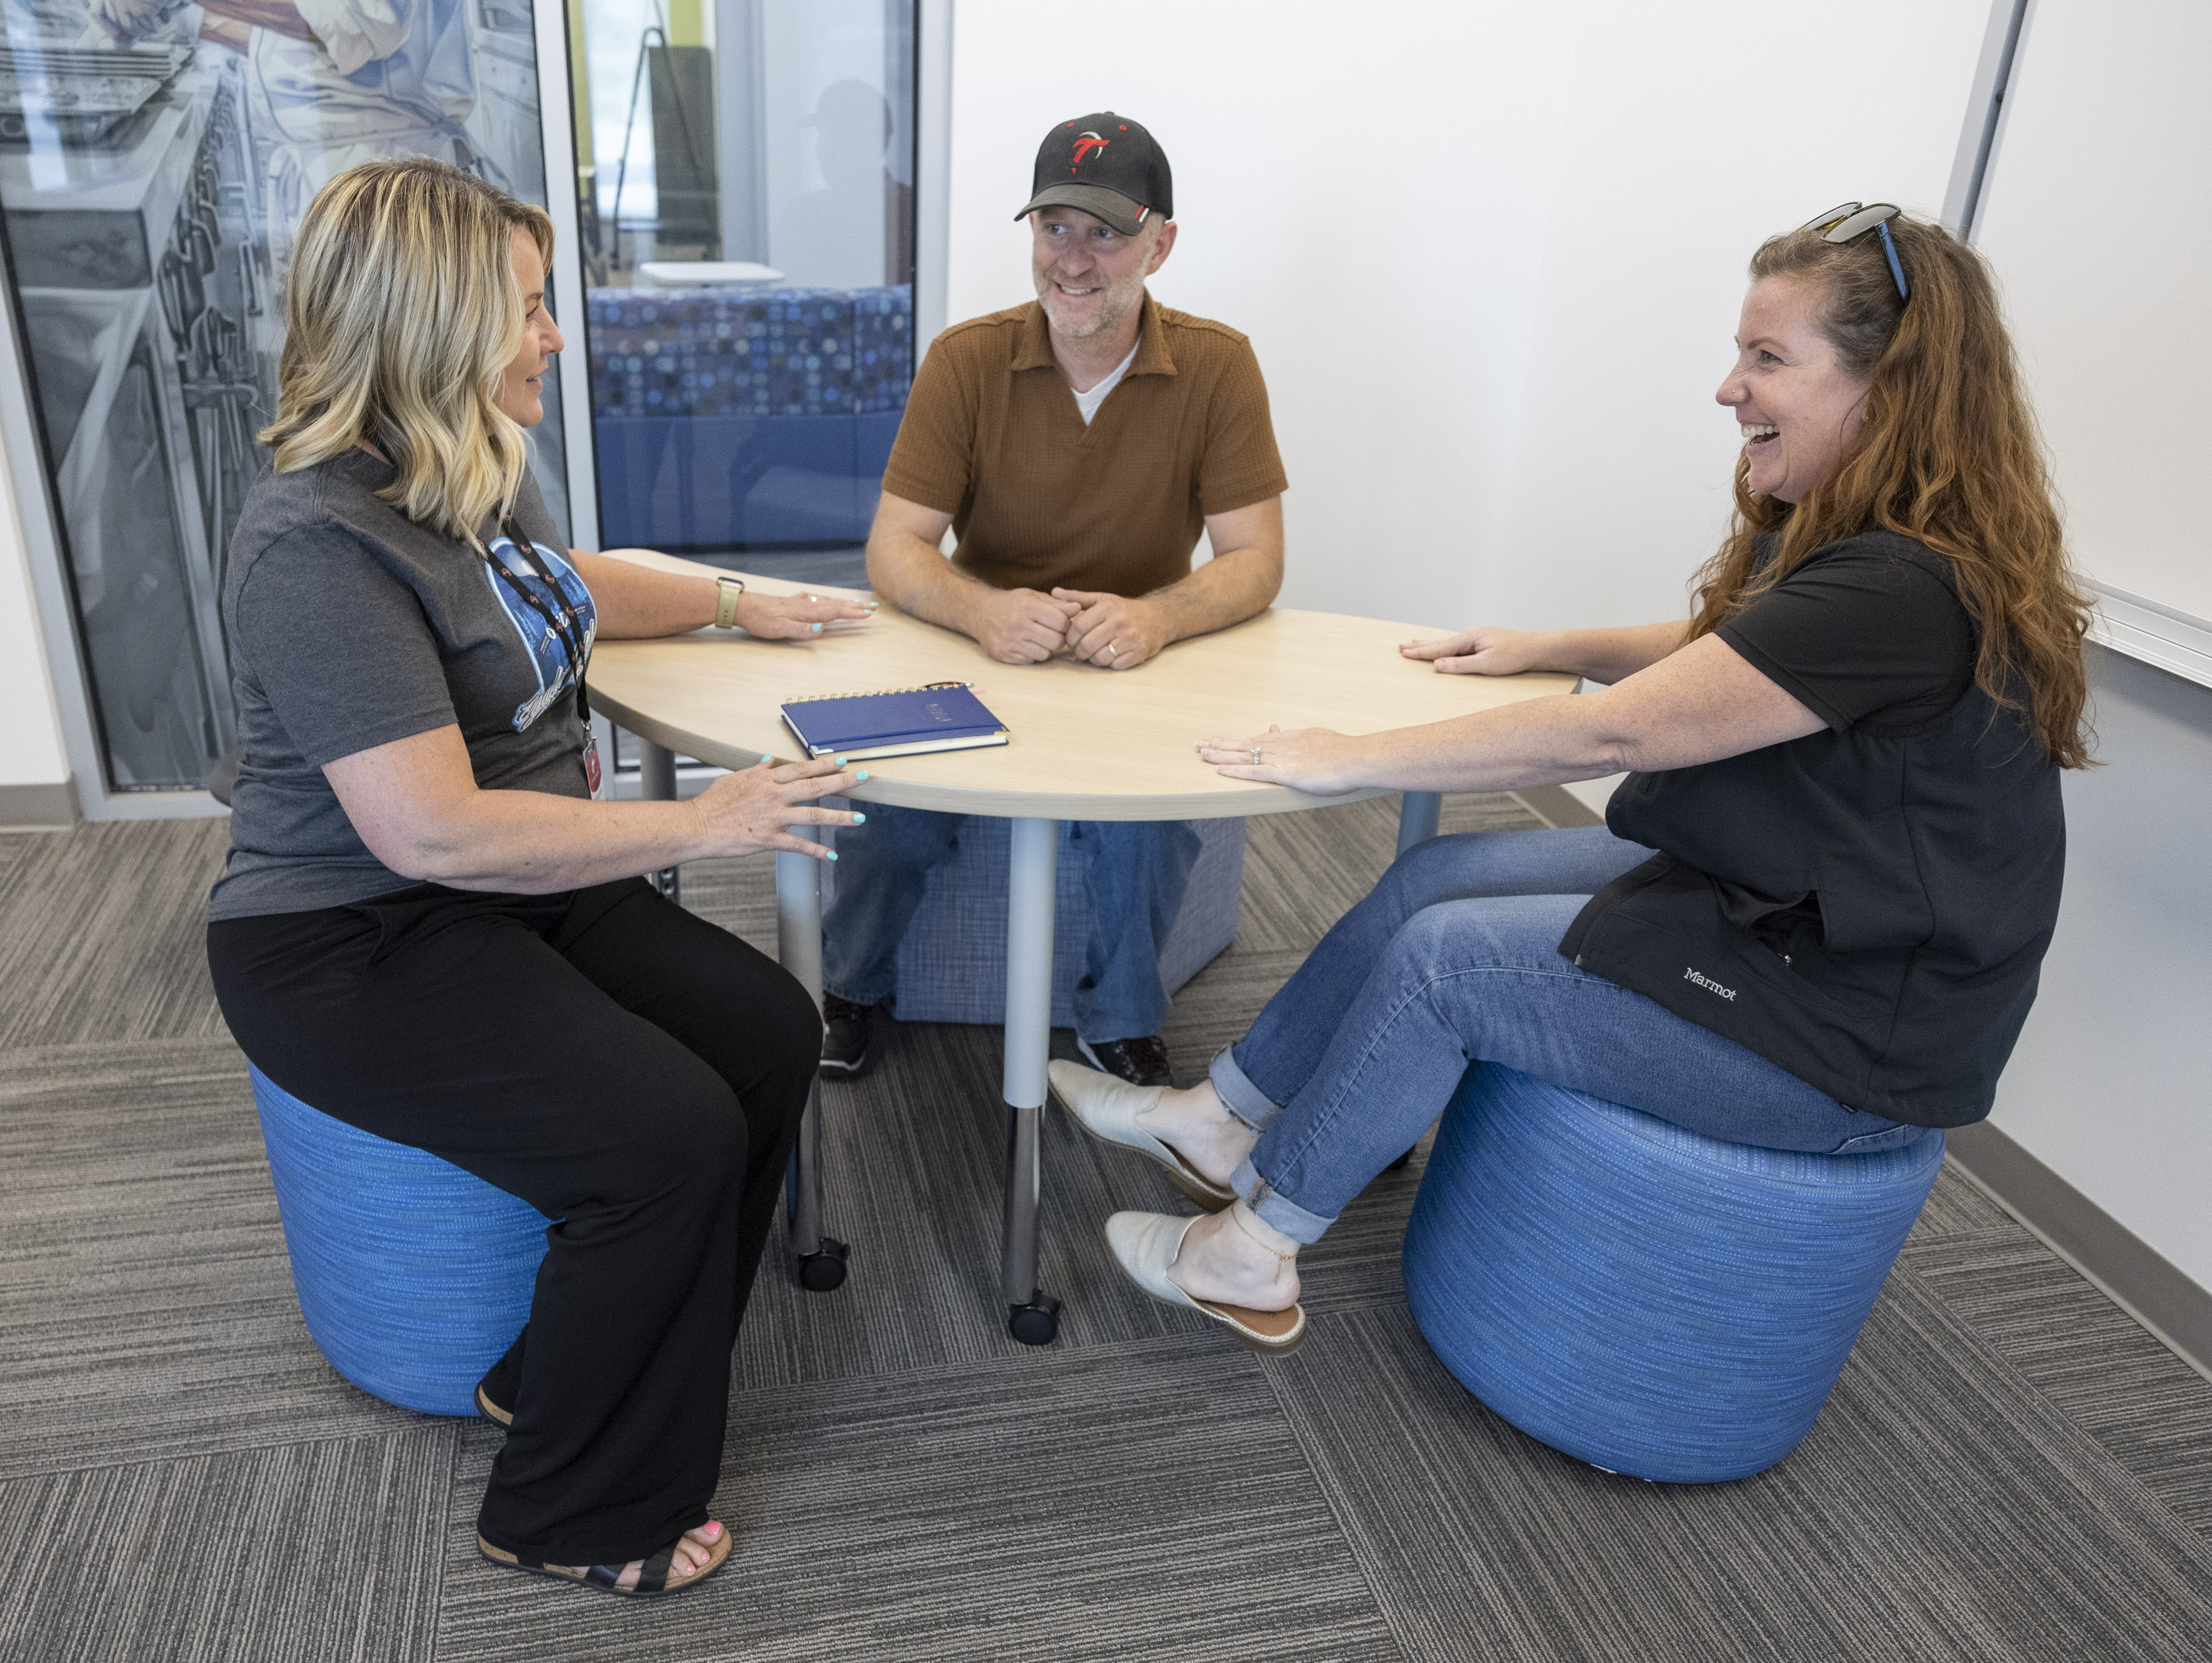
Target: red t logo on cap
{"type": "Point", "coordinates": [1084, 145]}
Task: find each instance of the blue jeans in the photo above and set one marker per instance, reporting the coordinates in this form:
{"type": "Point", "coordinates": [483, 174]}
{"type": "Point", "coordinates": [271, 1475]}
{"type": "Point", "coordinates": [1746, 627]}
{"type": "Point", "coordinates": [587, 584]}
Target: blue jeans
{"type": "Point", "coordinates": [1453, 959]}
{"type": "Point", "coordinates": [1134, 874]}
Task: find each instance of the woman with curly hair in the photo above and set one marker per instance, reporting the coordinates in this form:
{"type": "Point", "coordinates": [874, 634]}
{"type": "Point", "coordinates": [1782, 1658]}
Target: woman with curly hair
{"type": "Point", "coordinates": [1814, 917]}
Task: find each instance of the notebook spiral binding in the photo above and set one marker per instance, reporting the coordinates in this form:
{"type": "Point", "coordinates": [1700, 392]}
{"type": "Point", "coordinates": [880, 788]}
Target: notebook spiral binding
{"type": "Point", "coordinates": [876, 693]}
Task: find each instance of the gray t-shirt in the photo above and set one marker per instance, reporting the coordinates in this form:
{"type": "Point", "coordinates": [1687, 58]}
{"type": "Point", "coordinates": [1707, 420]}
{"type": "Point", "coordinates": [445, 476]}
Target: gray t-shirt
{"type": "Point", "coordinates": [350, 626]}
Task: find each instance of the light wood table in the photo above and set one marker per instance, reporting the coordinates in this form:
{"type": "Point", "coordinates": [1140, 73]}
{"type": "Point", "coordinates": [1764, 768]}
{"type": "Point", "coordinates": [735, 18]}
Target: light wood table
{"type": "Point", "coordinates": [1087, 744]}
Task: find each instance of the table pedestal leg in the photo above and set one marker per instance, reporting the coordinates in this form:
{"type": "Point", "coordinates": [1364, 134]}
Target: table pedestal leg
{"type": "Point", "coordinates": [1033, 1318]}
{"type": "Point", "coordinates": [1418, 813]}
{"type": "Point", "coordinates": [656, 769]}
{"type": "Point", "coordinates": [798, 946]}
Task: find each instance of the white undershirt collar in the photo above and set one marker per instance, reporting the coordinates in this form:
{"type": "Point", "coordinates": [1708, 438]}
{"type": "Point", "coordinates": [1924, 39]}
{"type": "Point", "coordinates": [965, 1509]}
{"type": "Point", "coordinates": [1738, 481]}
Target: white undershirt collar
{"type": "Point", "coordinates": [1087, 403]}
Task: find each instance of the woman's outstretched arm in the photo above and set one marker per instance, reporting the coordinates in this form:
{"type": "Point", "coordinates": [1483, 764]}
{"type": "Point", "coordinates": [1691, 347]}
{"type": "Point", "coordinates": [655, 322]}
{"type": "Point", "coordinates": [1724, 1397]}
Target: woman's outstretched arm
{"type": "Point", "coordinates": [638, 602]}
{"type": "Point", "coordinates": [1699, 704]}
{"type": "Point", "coordinates": [416, 803]}
{"type": "Point", "coordinates": [1601, 655]}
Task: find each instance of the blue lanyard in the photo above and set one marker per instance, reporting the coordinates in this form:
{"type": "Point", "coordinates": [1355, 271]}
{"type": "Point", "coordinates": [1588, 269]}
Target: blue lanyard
{"type": "Point", "coordinates": [562, 623]}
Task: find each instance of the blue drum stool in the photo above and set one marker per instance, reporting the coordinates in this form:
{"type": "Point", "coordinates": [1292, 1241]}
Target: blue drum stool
{"type": "Point", "coordinates": [1644, 1299]}
{"type": "Point", "coordinates": [414, 1276]}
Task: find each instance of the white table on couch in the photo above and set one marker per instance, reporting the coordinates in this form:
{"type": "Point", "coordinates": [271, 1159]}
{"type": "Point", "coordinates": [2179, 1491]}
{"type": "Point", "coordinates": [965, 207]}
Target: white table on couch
{"type": "Point", "coordinates": [1087, 744]}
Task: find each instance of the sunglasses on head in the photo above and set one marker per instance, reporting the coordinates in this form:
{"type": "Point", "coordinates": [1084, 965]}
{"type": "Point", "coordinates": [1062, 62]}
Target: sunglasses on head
{"type": "Point", "coordinates": [1849, 221]}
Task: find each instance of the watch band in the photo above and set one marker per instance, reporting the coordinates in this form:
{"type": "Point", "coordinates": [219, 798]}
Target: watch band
{"type": "Point", "coordinates": [727, 589]}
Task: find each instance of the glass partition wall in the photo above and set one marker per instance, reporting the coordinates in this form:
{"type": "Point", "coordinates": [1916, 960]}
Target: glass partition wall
{"type": "Point", "coordinates": [746, 197]}
{"type": "Point", "coordinates": [155, 158]}
{"type": "Point", "coordinates": [744, 212]}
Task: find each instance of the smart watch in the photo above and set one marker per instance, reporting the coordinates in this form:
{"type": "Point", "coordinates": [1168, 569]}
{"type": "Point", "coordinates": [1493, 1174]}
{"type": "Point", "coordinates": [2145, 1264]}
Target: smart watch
{"type": "Point", "coordinates": [725, 606]}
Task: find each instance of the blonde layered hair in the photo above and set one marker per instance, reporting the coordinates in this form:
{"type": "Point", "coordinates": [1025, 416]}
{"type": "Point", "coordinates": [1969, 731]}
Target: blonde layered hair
{"type": "Point", "coordinates": [401, 315]}
{"type": "Point", "coordinates": [1948, 456]}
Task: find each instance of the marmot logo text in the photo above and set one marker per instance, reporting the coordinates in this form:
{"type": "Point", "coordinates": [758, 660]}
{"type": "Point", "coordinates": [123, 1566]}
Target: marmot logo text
{"type": "Point", "coordinates": [1708, 983]}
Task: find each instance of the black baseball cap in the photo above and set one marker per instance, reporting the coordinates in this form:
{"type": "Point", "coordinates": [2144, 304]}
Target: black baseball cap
{"type": "Point", "coordinates": [1104, 166]}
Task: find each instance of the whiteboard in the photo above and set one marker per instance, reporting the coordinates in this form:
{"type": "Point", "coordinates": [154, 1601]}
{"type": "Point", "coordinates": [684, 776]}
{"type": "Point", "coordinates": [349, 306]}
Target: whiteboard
{"type": "Point", "coordinates": [2096, 216]}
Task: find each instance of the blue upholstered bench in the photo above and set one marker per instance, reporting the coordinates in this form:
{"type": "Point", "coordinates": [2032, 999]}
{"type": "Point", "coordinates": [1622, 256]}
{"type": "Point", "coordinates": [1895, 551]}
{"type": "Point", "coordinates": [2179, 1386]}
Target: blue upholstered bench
{"type": "Point", "coordinates": [414, 1276]}
{"type": "Point", "coordinates": [952, 965]}
{"type": "Point", "coordinates": [745, 415]}
{"type": "Point", "coordinates": [1644, 1299]}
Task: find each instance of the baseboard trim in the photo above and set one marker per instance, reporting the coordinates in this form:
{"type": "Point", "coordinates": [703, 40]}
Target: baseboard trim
{"type": "Point", "coordinates": [1557, 806]}
{"type": "Point", "coordinates": [2176, 1311]}
{"type": "Point", "coordinates": [43, 807]}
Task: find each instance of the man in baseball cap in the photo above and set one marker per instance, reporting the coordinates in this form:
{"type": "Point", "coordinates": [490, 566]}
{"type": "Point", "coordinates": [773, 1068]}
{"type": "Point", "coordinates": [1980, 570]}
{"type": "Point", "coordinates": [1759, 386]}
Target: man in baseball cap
{"type": "Point", "coordinates": [1076, 514]}
{"type": "Point", "coordinates": [1107, 166]}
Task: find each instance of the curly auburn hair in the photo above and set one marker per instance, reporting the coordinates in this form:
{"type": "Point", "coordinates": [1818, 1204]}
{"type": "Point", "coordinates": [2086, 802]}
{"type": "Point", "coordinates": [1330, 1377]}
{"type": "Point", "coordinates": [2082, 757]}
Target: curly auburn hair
{"type": "Point", "coordinates": [1948, 456]}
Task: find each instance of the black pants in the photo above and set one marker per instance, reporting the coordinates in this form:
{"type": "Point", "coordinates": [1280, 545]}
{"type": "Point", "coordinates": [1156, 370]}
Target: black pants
{"type": "Point", "coordinates": [627, 1069]}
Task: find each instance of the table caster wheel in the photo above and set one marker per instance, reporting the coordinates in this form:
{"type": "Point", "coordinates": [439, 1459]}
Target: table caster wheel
{"type": "Point", "coordinates": [825, 1267]}
{"type": "Point", "coordinates": [1036, 1323]}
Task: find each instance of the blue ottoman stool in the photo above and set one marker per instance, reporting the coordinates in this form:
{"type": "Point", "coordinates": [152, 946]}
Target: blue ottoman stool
{"type": "Point", "coordinates": [951, 965]}
{"type": "Point", "coordinates": [1643, 1298]}
{"type": "Point", "coordinates": [414, 1276]}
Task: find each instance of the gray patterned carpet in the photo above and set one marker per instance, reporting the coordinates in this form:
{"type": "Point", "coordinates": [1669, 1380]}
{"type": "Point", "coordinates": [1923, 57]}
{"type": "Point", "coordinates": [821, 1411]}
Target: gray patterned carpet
{"type": "Point", "coordinates": [2010, 1469]}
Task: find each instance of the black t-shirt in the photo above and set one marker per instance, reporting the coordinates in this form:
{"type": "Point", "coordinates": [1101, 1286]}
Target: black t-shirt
{"type": "Point", "coordinates": [1858, 632]}
{"type": "Point", "coordinates": [1866, 906]}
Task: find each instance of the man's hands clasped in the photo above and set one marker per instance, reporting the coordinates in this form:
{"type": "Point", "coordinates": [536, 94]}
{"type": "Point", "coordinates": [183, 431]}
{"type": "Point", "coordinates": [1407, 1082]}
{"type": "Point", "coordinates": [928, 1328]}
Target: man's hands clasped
{"type": "Point", "coordinates": [1113, 631]}
{"type": "Point", "coordinates": [1110, 630]}
{"type": "Point", "coordinates": [1018, 626]}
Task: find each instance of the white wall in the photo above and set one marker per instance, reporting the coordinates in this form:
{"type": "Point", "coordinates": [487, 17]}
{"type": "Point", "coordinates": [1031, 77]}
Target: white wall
{"type": "Point", "coordinates": [1490, 255]}
{"type": "Point", "coordinates": [30, 731]}
{"type": "Point", "coordinates": [1490, 258]}
{"type": "Point", "coordinates": [2108, 1087]}
{"type": "Point", "coordinates": [2105, 112]}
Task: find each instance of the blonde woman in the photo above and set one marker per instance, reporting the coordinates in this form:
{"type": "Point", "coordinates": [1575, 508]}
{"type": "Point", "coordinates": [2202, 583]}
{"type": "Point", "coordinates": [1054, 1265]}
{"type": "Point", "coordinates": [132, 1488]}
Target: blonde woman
{"type": "Point", "coordinates": [426, 926]}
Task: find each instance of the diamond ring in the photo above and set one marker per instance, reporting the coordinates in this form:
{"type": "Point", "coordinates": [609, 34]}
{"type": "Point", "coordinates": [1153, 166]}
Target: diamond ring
{"type": "Point", "coordinates": [1255, 755]}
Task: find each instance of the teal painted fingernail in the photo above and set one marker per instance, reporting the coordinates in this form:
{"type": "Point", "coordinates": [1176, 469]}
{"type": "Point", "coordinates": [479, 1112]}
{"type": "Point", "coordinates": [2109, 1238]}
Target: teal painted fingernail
{"type": "Point", "coordinates": [817, 629]}
{"type": "Point", "coordinates": [860, 819]}
{"type": "Point", "coordinates": [833, 853]}
{"type": "Point", "coordinates": [839, 761]}
{"type": "Point", "coordinates": [862, 775]}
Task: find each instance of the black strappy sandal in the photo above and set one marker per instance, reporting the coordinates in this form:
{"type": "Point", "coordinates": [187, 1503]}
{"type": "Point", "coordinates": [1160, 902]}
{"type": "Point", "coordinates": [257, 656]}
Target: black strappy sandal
{"type": "Point", "coordinates": [652, 1577]}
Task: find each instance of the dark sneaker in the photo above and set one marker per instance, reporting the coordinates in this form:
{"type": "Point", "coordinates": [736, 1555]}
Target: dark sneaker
{"type": "Point", "coordinates": [1140, 1062]}
{"type": "Point", "coordinates": [845, 1053]}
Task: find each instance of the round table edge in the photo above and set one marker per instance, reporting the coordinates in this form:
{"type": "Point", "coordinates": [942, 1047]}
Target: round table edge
{"type": "Point", "coordinates": [1261, 799]}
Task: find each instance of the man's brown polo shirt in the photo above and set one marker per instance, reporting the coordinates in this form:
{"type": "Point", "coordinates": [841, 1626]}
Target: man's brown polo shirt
{"type": "Point", "coordinates": [992, 437]}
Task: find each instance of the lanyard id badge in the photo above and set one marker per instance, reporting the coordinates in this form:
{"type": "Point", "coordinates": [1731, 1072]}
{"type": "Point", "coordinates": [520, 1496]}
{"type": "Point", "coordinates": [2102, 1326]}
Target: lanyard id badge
{"type": "Point", "coordinates": [566, 627]}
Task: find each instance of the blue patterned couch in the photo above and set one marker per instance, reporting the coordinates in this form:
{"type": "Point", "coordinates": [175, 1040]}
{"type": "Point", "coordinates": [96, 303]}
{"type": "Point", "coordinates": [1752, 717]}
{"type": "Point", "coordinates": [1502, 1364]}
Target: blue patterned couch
{"type": "Point", "coordinates": [745, 416]}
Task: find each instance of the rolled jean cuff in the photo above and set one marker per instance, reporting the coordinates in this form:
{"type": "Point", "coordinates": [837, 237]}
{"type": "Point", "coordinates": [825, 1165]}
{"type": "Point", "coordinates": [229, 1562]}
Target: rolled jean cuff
{"type": "Point", "coordinates": [1238, 1094]}
{"type": "Point", "coordinates": [1270, 1206]}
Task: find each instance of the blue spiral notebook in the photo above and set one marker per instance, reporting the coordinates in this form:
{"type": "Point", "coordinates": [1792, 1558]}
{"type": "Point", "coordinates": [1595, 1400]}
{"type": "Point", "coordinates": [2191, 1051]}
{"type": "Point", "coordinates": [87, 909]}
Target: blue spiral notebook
{"type": "Point", "coordinates": [902, 722]}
